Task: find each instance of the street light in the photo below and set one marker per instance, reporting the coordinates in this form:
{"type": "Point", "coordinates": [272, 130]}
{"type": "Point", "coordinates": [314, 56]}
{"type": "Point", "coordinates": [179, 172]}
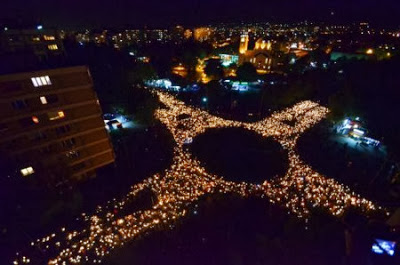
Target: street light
{"type": "Point", "coordinates": [204, 99]}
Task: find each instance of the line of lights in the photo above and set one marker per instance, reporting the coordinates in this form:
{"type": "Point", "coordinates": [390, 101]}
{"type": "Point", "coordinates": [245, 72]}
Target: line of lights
{"type": "Point", "coordinates": [301, 189]}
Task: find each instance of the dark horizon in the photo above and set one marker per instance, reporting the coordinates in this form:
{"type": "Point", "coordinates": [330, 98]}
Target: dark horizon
{"type": "Point", "coordinates": [123, 13]}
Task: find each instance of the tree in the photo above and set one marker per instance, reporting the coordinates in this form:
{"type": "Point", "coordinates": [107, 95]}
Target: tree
{"type": "Point", "coordinates": [141, 72]}
{"type": "Point", "coordinates": [247, 72]}
{"type": "Point", "coordinates": [142, 104]}
{"type": "Point", "coordinates": [343, 103]}
{"type": "Point", "coordinates": [214, 69]}
{"type": "Point", "coordinates": [319, 56]}
{"type": "Point", "coordinates": [369, 89]}
{"type": "Point", "coordinates": [217, 96]}
{"type": "Point", "coordinates": [189, 54]}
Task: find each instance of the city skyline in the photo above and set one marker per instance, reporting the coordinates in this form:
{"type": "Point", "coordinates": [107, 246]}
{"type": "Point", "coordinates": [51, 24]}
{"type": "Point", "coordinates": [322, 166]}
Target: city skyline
{"type": "Point", "coordinates": [97, 14]}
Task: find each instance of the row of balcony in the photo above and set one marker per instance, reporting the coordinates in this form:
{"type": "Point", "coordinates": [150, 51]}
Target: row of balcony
{"type": "Point", "coordinates": [59, 79]}
{"type": "Point", "coordinates": [48, 119]}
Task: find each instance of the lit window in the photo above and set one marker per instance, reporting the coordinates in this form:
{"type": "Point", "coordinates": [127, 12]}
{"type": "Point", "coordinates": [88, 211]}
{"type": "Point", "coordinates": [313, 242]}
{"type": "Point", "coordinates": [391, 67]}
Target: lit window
{"type": "Point", "coordinates": [35, 119]}
{"type": "Point", "coordinates": [47, 37]}
{"type": "Point", "coordinates": [43, 100]}
{"type": "Point", "coordinates": [55, 115]}
{"type": "Point", "coordinates": [36, 39]}
{"type": "Point", "coordinates": [51, 99]}
{"type": "Point", "coordinates": [52, 47]}
{"type": "Point", "coordinates": [34, 82]}
{"type": "Point", "coordinates": [41, 81]}
{"type": "Point", "coordinates": [27, 171]}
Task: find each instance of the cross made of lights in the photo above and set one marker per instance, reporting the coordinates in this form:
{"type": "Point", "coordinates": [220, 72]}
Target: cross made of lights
{"type": "Point", "coordinates": [301, 189]}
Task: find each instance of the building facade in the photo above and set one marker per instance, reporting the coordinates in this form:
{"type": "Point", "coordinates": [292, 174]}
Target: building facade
{"type": "Point", "coordinates": [51, 125]}
{"type": "Point", "coordinates": [44, 43]}
{"type": "Point", "coordinates": [229, 59]}
{"type": "Point", "coordinates": [261, 56]}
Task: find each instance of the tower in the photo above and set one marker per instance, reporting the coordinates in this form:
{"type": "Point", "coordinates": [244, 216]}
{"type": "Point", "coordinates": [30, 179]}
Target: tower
{"type": "Point", "coordinates": [244, 43]}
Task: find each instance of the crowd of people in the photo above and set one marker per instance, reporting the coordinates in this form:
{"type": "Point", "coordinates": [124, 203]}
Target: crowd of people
{"type": "Point", "coordinates": [186, 181]}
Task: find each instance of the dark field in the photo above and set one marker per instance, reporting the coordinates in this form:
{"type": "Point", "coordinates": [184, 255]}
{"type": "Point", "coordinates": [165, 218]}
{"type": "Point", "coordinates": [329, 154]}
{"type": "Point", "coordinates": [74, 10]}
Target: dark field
{"type": "Point", "coordinates": [231, 230]}
{"type": "Point", "coordinates": [240, 155]}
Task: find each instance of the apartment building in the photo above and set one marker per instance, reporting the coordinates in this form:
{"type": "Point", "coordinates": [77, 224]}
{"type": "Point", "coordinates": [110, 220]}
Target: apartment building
{"type": "Point", "coordinates": [44, 43]}
{"type": "Point", "coordinates": [51, 125]}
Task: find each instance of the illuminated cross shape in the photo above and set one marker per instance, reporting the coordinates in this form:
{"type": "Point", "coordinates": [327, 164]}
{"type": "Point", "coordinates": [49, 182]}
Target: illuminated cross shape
{"type": "Point", "coordinates": [186, 181]}
{"type": "Point", "coordinates": [299, 189]}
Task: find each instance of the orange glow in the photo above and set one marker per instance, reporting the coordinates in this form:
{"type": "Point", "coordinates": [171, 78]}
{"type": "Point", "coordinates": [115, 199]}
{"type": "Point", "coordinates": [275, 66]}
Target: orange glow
{"type": "Point", "coordinates": [47, 37]}
{"type": "Point", "coordinates": [52, 47]}
{"type": "Point", "coordinates": [180, 70]}
{"type": "Point", "coordinates": [61, 114]}
{"type": "Point", "coordinates": [35, 119]}
{"type": "Point", "coordinates": [203, 33]}
{"type": "Point", "coordinates": [188, 34]}
{"type": "Point", "coordinates": [232, 73]}
{"type": "Point", "coordinates": [244, 43]}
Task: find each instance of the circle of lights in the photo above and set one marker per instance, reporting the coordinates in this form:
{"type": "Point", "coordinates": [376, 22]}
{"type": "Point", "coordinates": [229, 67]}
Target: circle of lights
{"type": "Point", "coordinates": [186, 181]}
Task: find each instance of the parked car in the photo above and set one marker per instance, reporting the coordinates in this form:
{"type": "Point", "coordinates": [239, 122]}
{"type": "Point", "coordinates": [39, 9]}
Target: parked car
{"type": "Point", "coordinates": [113, 124]}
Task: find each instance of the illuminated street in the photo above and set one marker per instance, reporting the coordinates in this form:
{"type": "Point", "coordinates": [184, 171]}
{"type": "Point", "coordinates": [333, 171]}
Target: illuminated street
{"type": "Point", "coordinates": [186, 181]}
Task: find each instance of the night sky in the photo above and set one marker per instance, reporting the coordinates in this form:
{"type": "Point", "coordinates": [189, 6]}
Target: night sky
{"type": "Point", "coordinates": [155, 13]}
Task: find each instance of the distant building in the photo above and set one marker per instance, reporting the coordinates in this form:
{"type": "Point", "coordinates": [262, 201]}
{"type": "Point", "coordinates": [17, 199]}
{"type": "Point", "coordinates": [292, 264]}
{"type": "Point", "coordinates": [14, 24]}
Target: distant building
{"type": "Point", "coordinates": [51, 125]}
{"type": "Point", "coordinates": [229, 59]}
{"type": "Point", "coordinates": [187, 33]}
{"type": "Point", "coordinates": [364, 28]}
{"type": "Point", "coordinates": [100, 38]}
{"type": "Point", "coordinates": [203, 34]}
{"type": "Point", "coordinates": [177, 34]}
{"type": "Point", "coordinates": [261, 56]}
{"type": "Point", "coordinates": [43, 43]}
{"type": "Point", "coordinates": [163, 84]}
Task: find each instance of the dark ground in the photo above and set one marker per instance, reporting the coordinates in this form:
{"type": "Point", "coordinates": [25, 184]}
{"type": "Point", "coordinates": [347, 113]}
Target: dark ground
{"type": "Point", "coordinates": [29, 212]}
{"type": "Point", "coordinates": [226, 230]}
{"type": "Point", "coordinates": [365, 171]}
{"type": "Point", "coordinates": [240, 155]}
{"type": "Point", "coordinates": [231, 230]}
